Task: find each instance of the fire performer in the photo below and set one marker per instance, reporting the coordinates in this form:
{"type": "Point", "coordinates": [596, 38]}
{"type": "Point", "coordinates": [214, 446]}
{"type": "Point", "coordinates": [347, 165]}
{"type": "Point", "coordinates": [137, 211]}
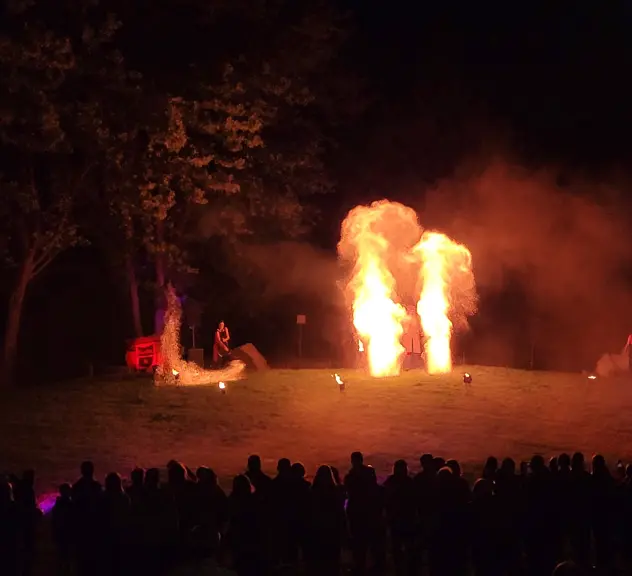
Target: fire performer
{"type": "Point", "coordinates": [220, 346]}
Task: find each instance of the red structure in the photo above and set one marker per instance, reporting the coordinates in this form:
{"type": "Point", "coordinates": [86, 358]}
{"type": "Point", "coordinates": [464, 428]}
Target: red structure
{"type": "Point", "coordinates": [143, 354]}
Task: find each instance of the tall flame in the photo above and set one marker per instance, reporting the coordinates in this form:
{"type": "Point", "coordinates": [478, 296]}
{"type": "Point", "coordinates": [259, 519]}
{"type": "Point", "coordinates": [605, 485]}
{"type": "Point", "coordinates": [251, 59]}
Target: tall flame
{"type": "Point", "coordinates": [444, 265]}
{"type": "Point", "coordinates": [376, 316]}
{"type": "Point", "coordinates": [378, 319]}
{"type": "Point", "coordinates": [386, 237]}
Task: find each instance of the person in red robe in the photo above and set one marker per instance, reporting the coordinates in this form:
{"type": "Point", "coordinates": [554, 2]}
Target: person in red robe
{"type": "Point", "coordinates": [220, 345]}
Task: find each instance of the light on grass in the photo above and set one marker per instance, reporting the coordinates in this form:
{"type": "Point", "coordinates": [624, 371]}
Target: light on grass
{"type": "Point", "coordinates": [467, 378]}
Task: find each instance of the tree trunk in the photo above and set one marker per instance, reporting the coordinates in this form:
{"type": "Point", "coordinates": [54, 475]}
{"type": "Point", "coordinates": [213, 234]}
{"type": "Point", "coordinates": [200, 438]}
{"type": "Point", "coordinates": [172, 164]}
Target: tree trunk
{"type": "Point", "coordinates": [14, 318]}
{"type": "Point", "coordinates": [132, 282]}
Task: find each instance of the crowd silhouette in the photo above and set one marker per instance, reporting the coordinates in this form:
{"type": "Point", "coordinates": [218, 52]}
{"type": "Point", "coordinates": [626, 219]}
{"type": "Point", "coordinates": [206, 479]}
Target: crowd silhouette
{"type": "Point", "coordinates": [538, 519]}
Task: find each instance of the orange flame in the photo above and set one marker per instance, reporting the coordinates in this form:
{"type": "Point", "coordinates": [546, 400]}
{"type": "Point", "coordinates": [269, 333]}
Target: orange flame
{"type": "Point", "coordinates": [384, 236]}
{"type": "Point", "coordinates": [376, 316]}
{"type": "Point", "coordinates": [443, 262]}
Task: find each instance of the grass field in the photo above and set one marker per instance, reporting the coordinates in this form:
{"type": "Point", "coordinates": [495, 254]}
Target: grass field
{"type": "Point", "coordinates": [302, 415]}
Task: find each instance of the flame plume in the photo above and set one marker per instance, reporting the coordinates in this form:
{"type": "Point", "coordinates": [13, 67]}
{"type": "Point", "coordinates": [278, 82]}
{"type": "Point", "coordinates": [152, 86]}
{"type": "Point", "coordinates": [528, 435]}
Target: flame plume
{"type": "Point", "coordinates": [446, 267]}
{"type": "Point", "coordinates": [176, 371]}
{"type": "Point", "coordinates": [366, 239]}
{"type": "Point", "coordinates": [385, 242]}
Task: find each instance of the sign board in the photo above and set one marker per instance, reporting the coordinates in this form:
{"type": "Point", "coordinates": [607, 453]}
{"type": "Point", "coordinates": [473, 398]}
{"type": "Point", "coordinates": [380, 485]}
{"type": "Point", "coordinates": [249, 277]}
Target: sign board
{"type": "Point", "coordinates": [301, 319]}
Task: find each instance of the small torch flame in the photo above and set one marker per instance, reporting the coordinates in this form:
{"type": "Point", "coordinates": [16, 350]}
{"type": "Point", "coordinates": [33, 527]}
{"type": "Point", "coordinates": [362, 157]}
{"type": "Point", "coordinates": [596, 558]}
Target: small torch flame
{"type": "Point", "coordinates": [175, 372]}
{"type": "Point", "coordinates": [360, 346]}
{"type": "Point", "coordinates": [592, 377]}
{"type": "Point", "coordinates": [222, 386]}
{"type": "Point", "coordinates": [339, 380]}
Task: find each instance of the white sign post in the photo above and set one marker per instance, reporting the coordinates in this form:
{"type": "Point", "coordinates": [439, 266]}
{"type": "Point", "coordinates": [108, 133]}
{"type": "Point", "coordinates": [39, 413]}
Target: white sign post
{"type": "Point", "coordinates": [301, 320]}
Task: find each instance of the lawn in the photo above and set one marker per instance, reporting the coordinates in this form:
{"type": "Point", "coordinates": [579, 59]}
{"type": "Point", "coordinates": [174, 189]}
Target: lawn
{"type": "Point", "coordinates": [301, 414]}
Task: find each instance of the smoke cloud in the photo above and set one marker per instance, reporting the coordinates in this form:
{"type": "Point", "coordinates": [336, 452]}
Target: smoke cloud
{"type": "Point", "coordinates": [568, 247]}
{"type": "Point", "coordinates": [294, 268]}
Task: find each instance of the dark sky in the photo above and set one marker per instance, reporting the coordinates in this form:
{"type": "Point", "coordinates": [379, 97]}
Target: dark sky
{"type": "Point", "coordinates": [545, 81]}
{"type": "Point", "coordinates": [553, 72]}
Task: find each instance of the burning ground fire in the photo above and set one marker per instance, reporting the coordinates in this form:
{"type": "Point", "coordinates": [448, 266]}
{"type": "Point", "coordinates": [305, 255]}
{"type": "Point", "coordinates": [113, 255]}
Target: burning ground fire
{"type": "Point", "coordinates": [373, 237]}
{"type": "Point", "coordinates": [174, 370]}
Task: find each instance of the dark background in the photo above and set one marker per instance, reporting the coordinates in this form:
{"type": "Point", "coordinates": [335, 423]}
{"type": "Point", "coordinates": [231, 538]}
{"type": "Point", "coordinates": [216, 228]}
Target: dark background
{"type": "Point", "coordinates": [531, 95]}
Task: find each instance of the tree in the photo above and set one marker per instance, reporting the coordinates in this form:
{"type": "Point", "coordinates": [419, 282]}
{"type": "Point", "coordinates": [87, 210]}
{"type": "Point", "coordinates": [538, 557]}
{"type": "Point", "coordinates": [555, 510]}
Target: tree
{"type": "Point", "coordinates": [48, 139]}
{"type": "Point", "coordinates": [235, 138]}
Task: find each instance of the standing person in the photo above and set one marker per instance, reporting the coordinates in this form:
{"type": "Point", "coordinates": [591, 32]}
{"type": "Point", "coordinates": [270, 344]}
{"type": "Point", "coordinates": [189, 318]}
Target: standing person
{"type": "Point", "coordinates": [220, 345]}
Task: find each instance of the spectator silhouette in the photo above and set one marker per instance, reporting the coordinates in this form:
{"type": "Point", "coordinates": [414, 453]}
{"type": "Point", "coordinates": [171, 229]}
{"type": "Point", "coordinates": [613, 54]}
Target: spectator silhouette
{"type": "Point", "coordinates": [485, 526]}
{"type": "Point", "coordinates": [9, 526]}
{"type": "Point", "coordinates": [490, 469]}
{"type": "Point", "coordinates": [439, 462]}
{"type": "Point", "coordinates": [401, 516]}
{"type": "Point", "coordinates": [425, 491]}
{"type": "Point", "coordinates": [86, 496]}
{"type": "Point", "coordinates": [159, 517]}
{"type": "Point", "coordinates": [213, 510]}
{"type": "Point", "coordinates": [563, 481]}
{"type": "Point", "coordinates": [508, 492]}
{"type": "Point", "coordinates": [459, 513]}
{"type": "Point", "coordinates": [556, 520]}
{"type": "Point", "coordinates": [63, 518]}
{"type": "Point", "coordinates": [244, 529]}
{"type": "Point", "coordinates": [602, 499]}
{"type": "Point", "coordinates": [29, 513]}
{"type": "Point", "coordinates": [281, 492]}
{"type": "Point", "coordinates": [461, 486]}
{"type": "Point", "coordinates": [327, 523]}
{"type": "Point", "coordinates": [364, 512]}
{"type": "Point", "coordinates": [299, 494]}
{"type": "Point", "coordinates": [183, 491]}
{"type": "Point", "coordinates": [447, 548]}
{"type": "Point", "coordinates": [115, 522]}
{"type": "Point", "coordinates": [136, 491]}
{"type": "Point", "coordinates": [136, 488]}
{"type": "Point", "coordinates": [258, 478]}
{"type": "Point", "coordinates": [579, 520]}
{"type": "Point", "coordinates": [540, 536]}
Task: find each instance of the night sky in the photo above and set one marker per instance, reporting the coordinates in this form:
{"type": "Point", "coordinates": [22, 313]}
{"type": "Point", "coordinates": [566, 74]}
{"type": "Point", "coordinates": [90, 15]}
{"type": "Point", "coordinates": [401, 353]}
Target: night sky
{"type": "Point", "coordinates": [447, 86]}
